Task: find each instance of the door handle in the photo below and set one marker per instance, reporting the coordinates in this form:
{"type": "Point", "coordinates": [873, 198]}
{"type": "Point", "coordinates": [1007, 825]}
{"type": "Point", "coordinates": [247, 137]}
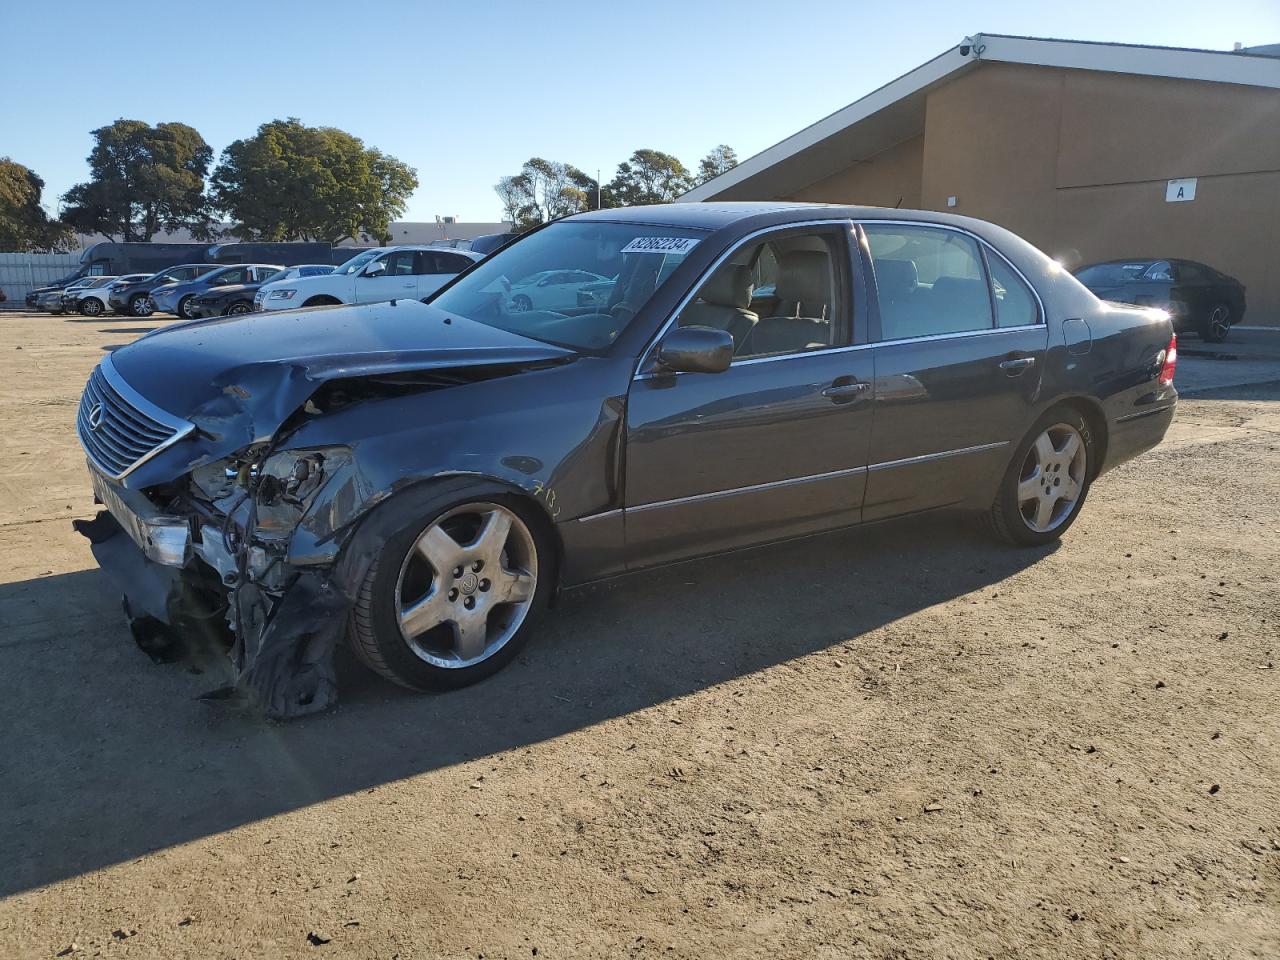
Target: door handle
{"type": "Point", "coordinates": [1017, 366]}
{"type": "Point", "coordinates": [844, 392]}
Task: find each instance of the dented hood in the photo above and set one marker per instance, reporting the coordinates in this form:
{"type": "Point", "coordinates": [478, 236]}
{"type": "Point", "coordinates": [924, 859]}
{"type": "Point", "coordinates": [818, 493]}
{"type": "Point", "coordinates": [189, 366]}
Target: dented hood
{"type": "Point", "coordinates": [238, 378]}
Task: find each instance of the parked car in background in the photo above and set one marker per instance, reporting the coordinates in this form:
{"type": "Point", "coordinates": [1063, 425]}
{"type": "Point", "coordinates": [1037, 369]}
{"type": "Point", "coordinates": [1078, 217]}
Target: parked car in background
{"type": "Point", "coordinates": [292, 273]}
{"type": "Point", "coordinates": [54, 299]}
{"type": "Point", "coordinates": [383, 273]}
{"type": "Point", "coordinates": [234, 299]}
{"type": "Point", "coordinates": [490, 242]}
{"type": "Point", "coordinates": [178, 298]}
{"type": "Point", "coordinates": [550, 290]}
{"type": "Point", "coordinates": [423, 479]}
{"type": "Point", "coordinates": [91, 300]}
{"type": "Point", "coordinates": [1199, 298]}
{"type": "Point", "coordinates": [134, 298]}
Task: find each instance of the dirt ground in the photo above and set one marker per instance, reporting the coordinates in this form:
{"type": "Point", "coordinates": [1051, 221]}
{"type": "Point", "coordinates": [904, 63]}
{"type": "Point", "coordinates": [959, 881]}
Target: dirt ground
{"type": "Point", "coordinates": [901, 742]}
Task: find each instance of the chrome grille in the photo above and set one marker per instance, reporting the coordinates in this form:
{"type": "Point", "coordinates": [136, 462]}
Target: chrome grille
{"type": "Point", "coordinates": [119, 429]}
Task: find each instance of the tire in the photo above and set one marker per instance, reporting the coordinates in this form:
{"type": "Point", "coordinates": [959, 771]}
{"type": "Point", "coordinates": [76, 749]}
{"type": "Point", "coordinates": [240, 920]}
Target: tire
{"type": "Point", "coordinates": [322, 301]}
{"type": "Point", "coordinates": [238, 309]}
{"type": "Point", "coordinates": [140, 305]}
{"type": "Point", "coordinates": [91, 307]}
{"type": "Point", "coordinates": [521, 304]}
{"type": "Point", "coordinates": [1216, 324]}
{"type": "Point", "coordinates": [453, 523]}
{"type": "Point", "coordinates": [184, 307]}
{"type": "Point", "coordinates": [1037, 475]}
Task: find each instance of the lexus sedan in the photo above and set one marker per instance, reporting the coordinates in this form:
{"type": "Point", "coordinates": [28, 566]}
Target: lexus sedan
{"type": "Point", "coordinates": [1199, 298]}
{"type": "Point", "coordinates": [420, 479]}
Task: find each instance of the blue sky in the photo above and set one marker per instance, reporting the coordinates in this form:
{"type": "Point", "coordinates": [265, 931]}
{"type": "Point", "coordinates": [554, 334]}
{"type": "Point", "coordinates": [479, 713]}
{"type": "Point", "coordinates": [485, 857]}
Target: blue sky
{"type": "Point", "coordinates": [466, 91]}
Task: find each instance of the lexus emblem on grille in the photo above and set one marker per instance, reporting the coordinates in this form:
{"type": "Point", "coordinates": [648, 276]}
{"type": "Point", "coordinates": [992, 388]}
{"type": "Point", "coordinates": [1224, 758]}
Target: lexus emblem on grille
{"type": "Point", "coordinates": [95, 416]}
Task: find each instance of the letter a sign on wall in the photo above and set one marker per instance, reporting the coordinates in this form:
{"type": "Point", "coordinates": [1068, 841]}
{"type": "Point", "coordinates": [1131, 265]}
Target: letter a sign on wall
{"type": "Point", "coordinates": [1178, 190]}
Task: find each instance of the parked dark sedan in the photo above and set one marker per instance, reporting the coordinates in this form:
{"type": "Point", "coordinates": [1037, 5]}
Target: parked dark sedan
{"type": "Point", "coordinates": [239, 298]}
{"type": "Point", "coordinates": [1199, 298]}
{"type": "Point", "coordinates": [424, 477]}
{"type": "Point", "coordinates": [134, 298]}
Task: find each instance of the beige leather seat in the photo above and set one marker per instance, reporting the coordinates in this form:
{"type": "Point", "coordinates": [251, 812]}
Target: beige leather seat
{"type": "Point", "coordinates": [722, 303]}
{"type": "Point", "coordinates": [804, 278]}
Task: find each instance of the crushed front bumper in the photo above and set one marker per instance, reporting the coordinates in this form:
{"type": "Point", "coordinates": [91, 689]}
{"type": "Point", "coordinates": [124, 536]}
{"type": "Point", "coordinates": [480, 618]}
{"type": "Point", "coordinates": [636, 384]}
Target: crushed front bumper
{"type": "Point", "coordinates": [179, 592]}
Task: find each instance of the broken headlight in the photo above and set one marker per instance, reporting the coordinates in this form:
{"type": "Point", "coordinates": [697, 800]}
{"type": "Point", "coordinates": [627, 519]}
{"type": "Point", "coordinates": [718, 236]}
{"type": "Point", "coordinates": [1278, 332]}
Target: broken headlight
{"type": "Point", "coordinates": [287, 483]}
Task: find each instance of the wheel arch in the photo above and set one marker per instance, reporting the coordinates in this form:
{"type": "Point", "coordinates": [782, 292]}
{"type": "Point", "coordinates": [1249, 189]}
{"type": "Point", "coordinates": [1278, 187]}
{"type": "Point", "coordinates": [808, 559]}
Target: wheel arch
{"type": "Point", "coordinates": [1096, 420]}
{"type": "Point", "coordinates": [321, 300]}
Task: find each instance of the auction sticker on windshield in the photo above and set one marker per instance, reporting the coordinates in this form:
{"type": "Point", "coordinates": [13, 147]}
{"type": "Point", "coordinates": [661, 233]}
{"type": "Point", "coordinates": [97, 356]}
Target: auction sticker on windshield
{"type": "Point", "coordinates": [660, 245]}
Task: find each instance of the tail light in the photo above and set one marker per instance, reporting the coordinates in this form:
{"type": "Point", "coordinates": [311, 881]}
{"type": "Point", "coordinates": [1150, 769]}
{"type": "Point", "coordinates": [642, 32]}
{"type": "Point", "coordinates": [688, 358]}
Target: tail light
{"type": "Point", "coordinates": [1170, 362]}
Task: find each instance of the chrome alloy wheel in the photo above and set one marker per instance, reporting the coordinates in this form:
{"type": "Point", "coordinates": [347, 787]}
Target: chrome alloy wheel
{"type": "Point", "coordinates": [1052, 478]}
{"type": "Point", "coordinates": [142, 307]}
{"type": "Point", "coordinates": [1220, 322]}
{"type": "Point", "coordinates": [467, 585]}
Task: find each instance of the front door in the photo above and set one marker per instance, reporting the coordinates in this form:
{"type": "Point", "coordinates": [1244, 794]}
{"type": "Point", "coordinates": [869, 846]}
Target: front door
{"type": "Point", "coordinates": [398, 278]}
{"type": "Point", "coordinates": [960, 351]}
{"type": "Point", "coordinates": [775, 446]}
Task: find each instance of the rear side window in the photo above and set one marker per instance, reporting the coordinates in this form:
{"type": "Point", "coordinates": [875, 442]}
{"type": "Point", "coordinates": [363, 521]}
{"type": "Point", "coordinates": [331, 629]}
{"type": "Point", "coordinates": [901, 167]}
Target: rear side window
{"type": "Point", "coordinates": [929, 281]}
{"type": "Point", "coordinates": [1015, 304]}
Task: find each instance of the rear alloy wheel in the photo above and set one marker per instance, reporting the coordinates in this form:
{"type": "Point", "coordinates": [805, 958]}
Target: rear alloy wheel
{"type": "Point", "coordinates": [1217, 325]}
{"type": "Point", "coordinates": [91, 307]}
{"type": "Point", "coordinates": [1047, 480]}
{"type": "Point", "coordinates": [141, 306]}
{"type": "Point", "coordinates": [237, 309]}
{"type": "Point", "coordinates": [449, 603]}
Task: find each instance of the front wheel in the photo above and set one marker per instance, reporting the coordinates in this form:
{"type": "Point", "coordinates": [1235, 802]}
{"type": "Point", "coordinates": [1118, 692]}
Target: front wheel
{"type": "Point", "coordinates": [141, 306]}
{"type": "Point", "coordinates": [521, 304]}
{"type": "Point", "coordinates": [184, 308]}
{"type": "Point", "coordinates": [1217, 324]}
{"type": "Point", "coordinates": [1047, 480]}
{"type": "Point", "coordinates": [450, 599]}
{"type": "Point", "coordinates": [238, 309]}
{"type": "Point", "coordinates": [91, 307]}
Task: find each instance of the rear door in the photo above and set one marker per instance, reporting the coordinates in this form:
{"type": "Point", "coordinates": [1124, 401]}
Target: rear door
{"type": "Point", "coordinates": [438, 267]}
{"type": "Point", "coordinates": [960, 343]}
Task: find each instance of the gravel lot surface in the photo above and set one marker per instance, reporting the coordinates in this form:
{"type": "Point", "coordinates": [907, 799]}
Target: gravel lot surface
{"type": "Point", "coordinates": [900, 742]}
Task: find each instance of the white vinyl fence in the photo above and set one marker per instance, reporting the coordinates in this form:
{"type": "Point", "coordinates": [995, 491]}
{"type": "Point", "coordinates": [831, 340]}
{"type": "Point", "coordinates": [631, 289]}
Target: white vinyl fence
{"type": "Point", "coordinates": [20, 272]}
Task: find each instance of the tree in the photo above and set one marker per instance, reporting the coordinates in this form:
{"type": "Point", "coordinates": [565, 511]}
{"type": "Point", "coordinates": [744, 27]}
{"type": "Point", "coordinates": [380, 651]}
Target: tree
{"type": "Point", "coordinates": [293, 182]}
{"type": "Point", "coordinates": [720, 160]}
{"type": "Point", "coordinates": [649, 176]}
{"type": "Point", "coordinates": [144, 179]}
{"type": "Point", "coordinates": [545, 190]}
{"type": "Point", "coordinates": [24, 226]}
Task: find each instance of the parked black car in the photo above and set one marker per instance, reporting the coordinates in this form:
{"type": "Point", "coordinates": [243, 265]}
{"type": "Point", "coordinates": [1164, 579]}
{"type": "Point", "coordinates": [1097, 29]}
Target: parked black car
{"type": "Point", "coordinates": [135, 298]}
{"type": "Point", "coordinates": [236, 299]}
{"type": "Point", "coordinates": [1199, 298]}
{"type": "Point", "coordinates": [424, 477]}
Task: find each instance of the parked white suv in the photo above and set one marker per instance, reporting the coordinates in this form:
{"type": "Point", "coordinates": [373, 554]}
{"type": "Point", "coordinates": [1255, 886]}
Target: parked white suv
{"type": "Point", "coordinates": [385, 273]}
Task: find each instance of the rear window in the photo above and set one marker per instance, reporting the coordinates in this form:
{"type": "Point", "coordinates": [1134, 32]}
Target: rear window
{"type": "Point", "coordinates": [1106, 274]}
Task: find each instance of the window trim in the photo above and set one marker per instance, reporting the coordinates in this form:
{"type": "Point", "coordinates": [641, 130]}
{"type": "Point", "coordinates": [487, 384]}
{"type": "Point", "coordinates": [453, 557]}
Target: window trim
{"type": "Point", "coordinates": [984, 247]}
{"type": "Point", "coordinates": [852, 267]}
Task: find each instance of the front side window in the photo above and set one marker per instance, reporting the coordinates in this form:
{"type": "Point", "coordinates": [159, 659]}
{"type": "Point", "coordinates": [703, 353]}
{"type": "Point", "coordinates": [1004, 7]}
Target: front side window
{"type": "Point", "coordinates": [640, 256]}
{"type": "Point", "coordinates": [356, 263]}
{"type": "Point", "coordinates": [781, 295]}
{"type": "Point", "coordinates": [929, 281]}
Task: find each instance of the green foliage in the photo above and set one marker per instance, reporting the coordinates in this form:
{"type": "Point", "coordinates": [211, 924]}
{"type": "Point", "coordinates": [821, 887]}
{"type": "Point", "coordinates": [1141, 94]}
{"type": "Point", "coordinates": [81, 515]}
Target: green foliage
{"type": "Point", "coordinates": [720, 160]}
{"type": "Point", "coordinates": [294, 182]}
{"type": "Point", "coordinates": [144, 179]}
{"type": "Point", "coordinates": [649, 176]}
{"type": "Point", "coordinates": [24, 226]}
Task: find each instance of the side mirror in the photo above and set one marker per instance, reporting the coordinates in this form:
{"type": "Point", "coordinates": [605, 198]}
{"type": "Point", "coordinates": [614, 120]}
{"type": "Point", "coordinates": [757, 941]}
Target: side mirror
{"type": "Point", "coordinates": [696, 350]}
{"type": "Point", "coordinates": [376, 269]}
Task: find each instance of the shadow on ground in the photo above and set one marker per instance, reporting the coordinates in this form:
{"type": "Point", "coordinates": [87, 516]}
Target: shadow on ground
{"type": "Point", "coordinates": [109, 757]}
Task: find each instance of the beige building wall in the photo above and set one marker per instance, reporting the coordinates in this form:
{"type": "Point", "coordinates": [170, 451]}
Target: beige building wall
{"type": "Point", "coordinates": [890, 176]}
{"type": "Point", "coordinates": [1078, 161]}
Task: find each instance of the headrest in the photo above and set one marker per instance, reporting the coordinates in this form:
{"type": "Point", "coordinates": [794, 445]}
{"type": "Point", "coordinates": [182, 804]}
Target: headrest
{"type": "Point", "coordinates": [895, 278]}
{"type": "Point", "coordinates": [730, 286]}
{"type": "Point", "coordinates": [965, 289]}
{"type": "Point", "coordinates": [805, 276]}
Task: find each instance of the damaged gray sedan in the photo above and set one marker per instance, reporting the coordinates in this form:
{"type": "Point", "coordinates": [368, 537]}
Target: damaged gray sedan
{"type": "Point", "coordinates": [422, 478]}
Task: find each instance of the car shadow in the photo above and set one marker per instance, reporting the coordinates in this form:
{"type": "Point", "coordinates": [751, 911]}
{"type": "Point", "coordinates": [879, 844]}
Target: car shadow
{"type": "Point", "coordinates": [108, 757]}
{"type": "Point", "coordinates": [138, 330]}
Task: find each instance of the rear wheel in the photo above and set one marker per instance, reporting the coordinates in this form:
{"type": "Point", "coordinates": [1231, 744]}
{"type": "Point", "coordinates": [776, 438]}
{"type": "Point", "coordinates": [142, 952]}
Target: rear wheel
{"type": "Point", "coordinates": [1217, 324]}
{"type": "Point", "coordinates": [140, 305]}
{"type": "Point", "coordinates": [450, 598]}
{"type": "Point", "coordinates": [91, 307]}
{"type": "Point", "coordinates": [1047, 480]}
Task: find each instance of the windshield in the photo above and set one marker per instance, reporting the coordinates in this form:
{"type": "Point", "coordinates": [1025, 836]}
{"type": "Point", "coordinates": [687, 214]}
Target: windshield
{"type": "Point", "coordinates": [356, 262]}
{"type": "Point", "coordinates": [278, 275]}
{"type": "Point", "coordinates": [548, 285]}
